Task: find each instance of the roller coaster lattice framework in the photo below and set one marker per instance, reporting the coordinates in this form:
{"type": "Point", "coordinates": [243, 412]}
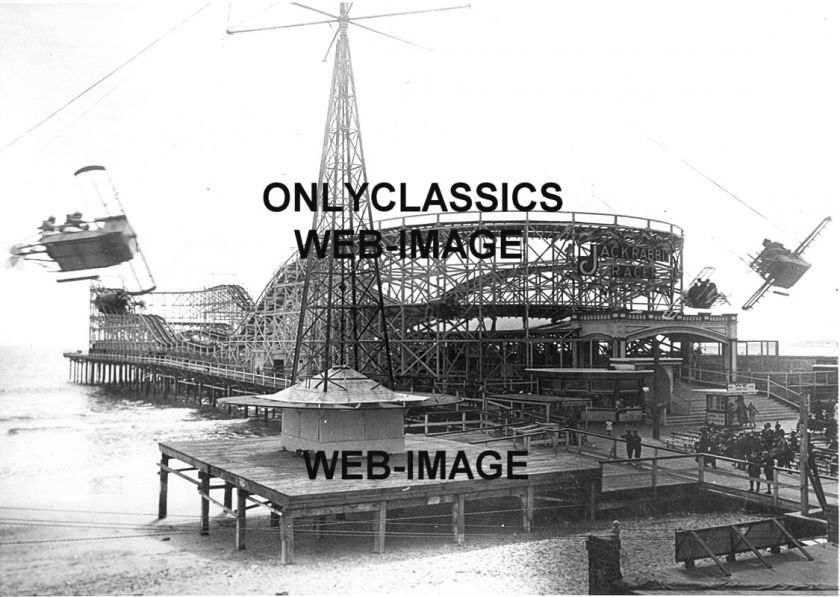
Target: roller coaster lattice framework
{"type": "Point", "coordinates": [450, 321]}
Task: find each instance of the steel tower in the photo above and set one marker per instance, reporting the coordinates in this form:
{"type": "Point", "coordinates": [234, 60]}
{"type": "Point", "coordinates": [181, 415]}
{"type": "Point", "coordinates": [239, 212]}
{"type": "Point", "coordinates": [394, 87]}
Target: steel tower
{"type": "Point", "coordinates": [342, 316]}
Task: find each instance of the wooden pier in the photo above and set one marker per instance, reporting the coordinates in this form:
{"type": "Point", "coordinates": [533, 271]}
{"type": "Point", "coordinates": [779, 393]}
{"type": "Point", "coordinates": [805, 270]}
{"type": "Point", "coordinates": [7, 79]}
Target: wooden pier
{"type": "Point", "coordinates": [170, 377]}
{"type": "Point", "coordinates": [264, 475]}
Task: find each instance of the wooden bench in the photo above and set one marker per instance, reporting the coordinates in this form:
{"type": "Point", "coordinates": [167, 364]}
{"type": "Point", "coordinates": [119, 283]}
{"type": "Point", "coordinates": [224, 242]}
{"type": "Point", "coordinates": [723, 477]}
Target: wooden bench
{"type": "Point", "coordinates": [728, 540]}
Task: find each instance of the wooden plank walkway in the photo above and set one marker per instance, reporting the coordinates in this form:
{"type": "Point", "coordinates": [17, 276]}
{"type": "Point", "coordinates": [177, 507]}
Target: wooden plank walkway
{"type": "Point", "coordinates": [265, 475]}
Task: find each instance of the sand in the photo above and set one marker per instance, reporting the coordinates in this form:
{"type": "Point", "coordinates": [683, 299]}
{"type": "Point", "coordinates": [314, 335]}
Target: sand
{"type": "Point", "coordinates": [131, 556]}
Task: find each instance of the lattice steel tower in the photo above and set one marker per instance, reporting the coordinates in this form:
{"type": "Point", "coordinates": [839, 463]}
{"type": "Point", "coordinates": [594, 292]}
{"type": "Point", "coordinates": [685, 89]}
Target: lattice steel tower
{"type": "Point", "coordinates": [342, 317]}
{"type": "Point", "coordinates": [341, 314]}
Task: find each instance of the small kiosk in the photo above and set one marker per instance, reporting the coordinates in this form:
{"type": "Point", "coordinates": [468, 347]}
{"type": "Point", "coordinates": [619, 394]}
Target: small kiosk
{"type": "Point", "coordinates": [727, 407]}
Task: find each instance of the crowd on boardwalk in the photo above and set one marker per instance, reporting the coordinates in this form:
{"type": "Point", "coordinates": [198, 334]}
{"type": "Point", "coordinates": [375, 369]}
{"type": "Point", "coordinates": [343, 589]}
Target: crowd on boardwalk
{"type": "Point", "coordinates": [761, 451]}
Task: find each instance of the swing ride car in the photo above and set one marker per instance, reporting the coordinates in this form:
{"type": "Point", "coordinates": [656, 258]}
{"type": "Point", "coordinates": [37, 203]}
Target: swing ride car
{"type": "Point", "coordinates": [702, 293]}
{"type": "Point", "coordinates": [83, 244]}
{"type": "Point", "coordinates": [781, 267]}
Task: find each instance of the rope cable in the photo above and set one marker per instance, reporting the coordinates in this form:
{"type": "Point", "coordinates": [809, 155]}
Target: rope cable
{"type": "Point", "coordinates": [711, 180]}
{"type": "Point", "coordinates": [101, 80]}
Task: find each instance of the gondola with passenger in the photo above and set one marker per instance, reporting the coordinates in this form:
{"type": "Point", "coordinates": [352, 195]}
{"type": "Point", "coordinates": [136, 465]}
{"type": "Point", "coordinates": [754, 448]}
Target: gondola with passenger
{"type": "Point", "coordinates": [780, 267]}
{"type": "Point", "coordinates": [86, 244]}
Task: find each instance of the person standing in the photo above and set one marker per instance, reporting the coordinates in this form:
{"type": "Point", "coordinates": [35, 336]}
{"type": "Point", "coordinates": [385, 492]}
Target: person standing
{"type": "Point", "coordinates": [785, 454]}
{"type": "Point", "coordinates": [628, 443]}
{"type": "Point", "coordinates": [767, 463]}
{"type": "Point", "coordinates": [741, 412]}
{"type": "Point", "coordinates": [754, 472]}
{"type": "Point", "coordinates": [752, 411]}
{"type": "Point", "coordinates": [637, 445]}
{"type": "Point", "coordinates": [767, 436]}
{"type": "Point", "coordinates": [609, 426]}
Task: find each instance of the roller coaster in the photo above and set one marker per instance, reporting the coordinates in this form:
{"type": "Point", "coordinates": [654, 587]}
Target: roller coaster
{"type": "Point", "coordinates": [451, 320]}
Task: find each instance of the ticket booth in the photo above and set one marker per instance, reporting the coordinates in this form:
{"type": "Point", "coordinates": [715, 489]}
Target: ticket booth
{"type": "Point", "coordinates": [727, 407]}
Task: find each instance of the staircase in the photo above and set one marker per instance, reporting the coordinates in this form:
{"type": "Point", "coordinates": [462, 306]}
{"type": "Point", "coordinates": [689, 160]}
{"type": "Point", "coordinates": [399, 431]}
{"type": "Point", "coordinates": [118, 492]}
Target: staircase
{"type": "Point", "coordinates": [769, 410]}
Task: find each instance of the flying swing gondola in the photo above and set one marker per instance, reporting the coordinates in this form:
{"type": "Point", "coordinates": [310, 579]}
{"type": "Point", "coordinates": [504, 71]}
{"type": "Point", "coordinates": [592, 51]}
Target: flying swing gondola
{"type": "Point", "coordinates": [781, 267]}
{"type": "Point", "coordinates": [80, 244]}
{"type": "Point", "coordinates": [702, 293]}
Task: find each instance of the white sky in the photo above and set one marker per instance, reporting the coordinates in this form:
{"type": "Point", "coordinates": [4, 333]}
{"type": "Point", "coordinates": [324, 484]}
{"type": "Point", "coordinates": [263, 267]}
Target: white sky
{"type": "Point", "coordinates": [194, 129]}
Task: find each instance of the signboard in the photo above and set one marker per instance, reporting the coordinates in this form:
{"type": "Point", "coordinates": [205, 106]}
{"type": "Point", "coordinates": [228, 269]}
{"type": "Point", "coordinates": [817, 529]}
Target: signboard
{"type": "Point", "coordinates": [715, 418]}
{"type": "Point", "coordinates": [638, 260]}
{"type": "Point", "coordinates": [741, 387]}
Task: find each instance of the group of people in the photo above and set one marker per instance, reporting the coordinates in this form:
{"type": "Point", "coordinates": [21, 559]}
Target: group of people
{"type": "Point", "coordinates": [756, 451]}
{"type": "Point", "coordinates": [633, 443]}
{"type": "Point", "coordinates": [741, 414]}
{"type": "Point", "coordinates": [73, 222]}
{"type": "Point", "coordinates": [828, 423]}
{"type": "Point", "coordinates": [740, 445]}
{"type": "Point", "coordinates": [702, 294]}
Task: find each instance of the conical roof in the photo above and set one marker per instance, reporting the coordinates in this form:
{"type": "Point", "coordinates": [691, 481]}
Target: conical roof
{"type": "Point", "coordinates": [339, 386]}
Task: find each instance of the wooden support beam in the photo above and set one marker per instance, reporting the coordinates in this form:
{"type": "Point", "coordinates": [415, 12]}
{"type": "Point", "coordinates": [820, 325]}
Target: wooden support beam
{"type": "Point", "coordinates": [593, 487]}
{"type": "Point", "coordinates": [204, 492]}
{"type": "Point", "coordinates": [709, 552]}
{"type": "Point", "coordinates": [287, 540]}
{"type": "Point", "coordinates": [458, 524]}
{"type": "Point", "coordinates": [179, 473]}
{"type": "Point", "coordinates": [793, 539]}
{"type": "Point", "coordinates": [164, 485]}
{"type": "Point", "coordinates": [654, 469]}
{"type": "Point", "coordinates": [228, 496]}
{"type": "Point", "coordinates": [528, 509]}
{"type": "Point", "coordinates": [379, 524]}
{"type": "Point", "coordinates": [241, 496]}
{"type": "Point", "coordinates": [273, 517]}
{"type": "Point", "coordinates": [737, 532]}
{"type": "Point", "coordinates": [276, 508]}
{"type": "Point", "coordinates": [219, 504]}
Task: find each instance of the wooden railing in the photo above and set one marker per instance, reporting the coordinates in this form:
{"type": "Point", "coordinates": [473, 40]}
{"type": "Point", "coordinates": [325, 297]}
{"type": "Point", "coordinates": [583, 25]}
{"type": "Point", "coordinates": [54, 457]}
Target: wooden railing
{"type": "Point", "coordinates": [763, 383]}
{"type": "Point", "coordinates": [229, 372]}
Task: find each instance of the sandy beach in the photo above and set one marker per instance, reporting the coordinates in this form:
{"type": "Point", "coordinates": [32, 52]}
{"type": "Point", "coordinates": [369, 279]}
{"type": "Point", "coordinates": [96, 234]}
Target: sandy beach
{"type": "Point", "coordinates": [169, 557]}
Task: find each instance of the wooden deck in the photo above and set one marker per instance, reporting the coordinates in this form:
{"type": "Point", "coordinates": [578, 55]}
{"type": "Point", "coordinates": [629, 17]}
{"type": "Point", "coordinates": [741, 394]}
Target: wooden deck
{"type": "Point", "coordinates": [266, 476]}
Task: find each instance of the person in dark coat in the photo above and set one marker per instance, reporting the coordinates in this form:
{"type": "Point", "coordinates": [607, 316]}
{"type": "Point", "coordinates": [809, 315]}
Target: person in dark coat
{"type": "Point", "coordinates": [628, 443]}
{"type": "Point", "coordinates": [767, 436]}
{"type": "Point", "coordinates": [784, 453]}
{"type": "Point", "coordinates": [754, 472]}
{"type": "Point", "coordinates": [637, 445]}
{"type": "Point", "coordinates": [768, 463]}
{"type": "Point", "coordinates": [741, 412]}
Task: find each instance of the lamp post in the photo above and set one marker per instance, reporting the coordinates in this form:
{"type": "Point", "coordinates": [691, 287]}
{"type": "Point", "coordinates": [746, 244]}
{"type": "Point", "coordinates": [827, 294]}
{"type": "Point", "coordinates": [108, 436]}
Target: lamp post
{"type": "Point", "coordinates": [804, 438]}
{"type": "Point", "coordinates": [655, 388]}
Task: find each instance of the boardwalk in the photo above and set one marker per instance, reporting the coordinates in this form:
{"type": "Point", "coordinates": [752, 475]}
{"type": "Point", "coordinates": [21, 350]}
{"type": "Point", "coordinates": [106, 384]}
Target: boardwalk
{"type": "Point", "coordinates": [265, 476]}
{"type": "Point", "coordinates": [661, 467]}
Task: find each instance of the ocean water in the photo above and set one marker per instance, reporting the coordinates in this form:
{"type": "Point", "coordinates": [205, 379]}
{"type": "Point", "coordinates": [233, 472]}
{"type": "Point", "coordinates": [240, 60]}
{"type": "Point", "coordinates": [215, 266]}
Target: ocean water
{"type": "Point", "coordinates": [69, 447]}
